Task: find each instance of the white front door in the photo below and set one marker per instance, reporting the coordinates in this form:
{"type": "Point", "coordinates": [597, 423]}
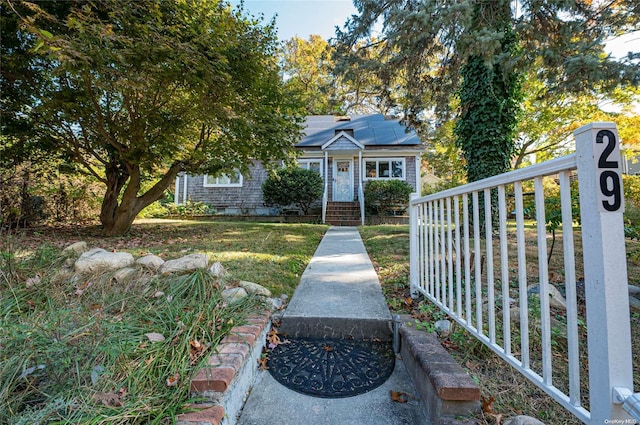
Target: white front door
{"type": "Point", "coordinates": [343, 180]}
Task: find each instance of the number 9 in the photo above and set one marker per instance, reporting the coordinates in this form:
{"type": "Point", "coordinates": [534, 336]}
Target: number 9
{"type": "Point", "coordinates": [615, 191]}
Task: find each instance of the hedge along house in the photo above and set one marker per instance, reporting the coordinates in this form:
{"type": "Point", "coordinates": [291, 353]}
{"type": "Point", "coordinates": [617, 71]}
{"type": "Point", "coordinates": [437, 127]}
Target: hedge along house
{"type": "Point", "coordinates": [346, 151]}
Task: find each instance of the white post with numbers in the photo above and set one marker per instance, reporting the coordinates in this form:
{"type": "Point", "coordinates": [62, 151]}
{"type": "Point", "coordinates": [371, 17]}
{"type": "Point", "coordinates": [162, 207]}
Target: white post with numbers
{"type": "Point", "coordinates": [605, 269]}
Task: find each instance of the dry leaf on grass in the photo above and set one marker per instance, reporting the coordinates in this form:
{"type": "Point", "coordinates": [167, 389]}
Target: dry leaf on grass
{"type": "Point", "coordinates": [487, 405]}
{"type": "Point", "coordinates": [172, 381]}
{"type": "Point", "coordinates": [196, 350]}
{"type": "Point", "coordinates": [327, 348]}
{"type": "Point", "coordinates": [111, 399]}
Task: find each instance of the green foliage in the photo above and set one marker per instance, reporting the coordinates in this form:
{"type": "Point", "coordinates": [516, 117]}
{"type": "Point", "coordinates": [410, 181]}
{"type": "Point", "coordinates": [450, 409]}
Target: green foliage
{"type": "Point", "coordinates": [489, 102]}
{"type": "Point", "coordinates": [141, 91]}
{"type": "Point", "coordinates": [292, 186]}
{"type": "Point", "coordinates": [307, 67]}
{"type": "Point", "coordinates": [385, 197]}
{"type": "Point", "coordinates": [189, 209]}
{"type": "Point", "coordinates": [631, 185]}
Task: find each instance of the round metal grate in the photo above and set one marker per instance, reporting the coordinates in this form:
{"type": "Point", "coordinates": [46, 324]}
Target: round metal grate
{"type": "Point", "coordinates": [331, 368]}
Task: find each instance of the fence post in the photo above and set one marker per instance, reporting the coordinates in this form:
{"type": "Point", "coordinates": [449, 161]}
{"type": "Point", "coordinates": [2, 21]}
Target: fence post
{"type": "Point", "coordinates": [413, 246]}
{"type": "Point", "coordinates": [605, 269]}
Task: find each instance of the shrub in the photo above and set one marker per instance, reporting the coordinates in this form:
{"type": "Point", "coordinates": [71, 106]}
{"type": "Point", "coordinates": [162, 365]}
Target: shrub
{"type": "Point", "coordinates": [387, 196]}
{"type": "Point", "coordinates": [190, 208]}
{"type": "Point", "coordinates": [292, 186]}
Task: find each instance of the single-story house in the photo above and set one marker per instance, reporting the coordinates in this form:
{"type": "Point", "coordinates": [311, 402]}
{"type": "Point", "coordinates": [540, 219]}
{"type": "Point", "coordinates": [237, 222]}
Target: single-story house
{"type": "Point", "coordinates": [347, 151]}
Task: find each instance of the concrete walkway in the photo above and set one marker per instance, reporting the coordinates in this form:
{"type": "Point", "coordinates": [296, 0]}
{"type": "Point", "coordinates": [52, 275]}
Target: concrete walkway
{"type": "Point", "coordinates": [339, 295]}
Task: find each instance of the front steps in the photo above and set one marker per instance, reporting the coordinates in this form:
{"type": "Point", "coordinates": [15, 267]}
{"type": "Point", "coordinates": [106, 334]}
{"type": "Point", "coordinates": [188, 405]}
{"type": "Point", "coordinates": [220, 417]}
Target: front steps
{"type": "Point", "coordinates": [343, 214]}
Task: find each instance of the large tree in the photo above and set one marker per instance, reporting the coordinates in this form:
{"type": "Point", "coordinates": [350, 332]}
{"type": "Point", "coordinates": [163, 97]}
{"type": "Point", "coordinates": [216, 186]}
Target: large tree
{"type": "Point", "coordinates": [436, 49]}
{"type": "Point", "coordinates": [145, 90]}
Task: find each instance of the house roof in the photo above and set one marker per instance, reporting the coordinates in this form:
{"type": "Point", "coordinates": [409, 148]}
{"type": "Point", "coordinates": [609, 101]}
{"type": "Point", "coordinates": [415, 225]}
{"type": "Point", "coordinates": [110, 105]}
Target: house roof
{"type": "Point", "coordinates": [367, 130]}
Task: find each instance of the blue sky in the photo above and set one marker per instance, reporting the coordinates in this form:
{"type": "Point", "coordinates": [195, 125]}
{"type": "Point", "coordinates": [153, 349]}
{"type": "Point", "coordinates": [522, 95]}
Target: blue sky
{"type": "Point", "coordinates": [302, 17]}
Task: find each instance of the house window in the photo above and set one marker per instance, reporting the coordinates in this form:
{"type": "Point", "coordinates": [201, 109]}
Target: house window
{"type": "Point", "coordinates": [223, 180]}
{"type": "Point", "coordinates": [311, 164]}
{"type": "Point", "coordinates": [384, 168]}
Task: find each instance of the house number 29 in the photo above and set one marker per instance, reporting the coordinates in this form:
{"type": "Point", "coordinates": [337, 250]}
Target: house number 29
{"type": "Point", "coordinates": [610, 194]}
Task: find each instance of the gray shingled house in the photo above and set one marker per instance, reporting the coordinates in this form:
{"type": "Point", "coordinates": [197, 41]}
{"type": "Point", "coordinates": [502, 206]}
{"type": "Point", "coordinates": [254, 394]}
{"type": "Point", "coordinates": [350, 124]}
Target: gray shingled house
{"type": "Point", "coordinates": [346, 151]}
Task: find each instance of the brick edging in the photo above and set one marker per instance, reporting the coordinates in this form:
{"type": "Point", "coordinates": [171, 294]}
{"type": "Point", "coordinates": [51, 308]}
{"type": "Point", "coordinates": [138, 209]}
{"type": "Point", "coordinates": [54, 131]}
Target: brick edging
{"type": "Point", "coordinates": [223, 367]}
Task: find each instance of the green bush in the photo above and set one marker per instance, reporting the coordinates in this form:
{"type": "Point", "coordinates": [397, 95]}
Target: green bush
{"type": "Point", "coordinates": [386, 197]}
{"type": "Point", "coordinates": [190, 208]}
{"type": "Point", "coordinates": [292, 186]}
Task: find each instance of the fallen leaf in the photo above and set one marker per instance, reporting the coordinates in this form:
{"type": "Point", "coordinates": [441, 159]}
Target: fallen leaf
{"type": "Point", "coordinates": [155, 337]}
{"type": "Point", "coordinates": [273, 338]}
{"type": "Point", "coordinates": [108, 399]}
{"type": "Point", "coordinates": [487, 405]}
{"type": "Point", "coordinates": [327, 348]}
{"type": "Point", "coordinates": [196, 350]}
{"type": "Point", "coordinates": [398, 396]}
{"type": "Point", "coordinates": [149, 360]}
{"type": "Point", "coordinates": [262, 363]}
{"type": "Point", "coordinates": [172, 381]}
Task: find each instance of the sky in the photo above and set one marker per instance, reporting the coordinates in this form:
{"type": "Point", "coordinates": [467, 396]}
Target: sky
{"type": "Point", "coordinates": [303, 17]}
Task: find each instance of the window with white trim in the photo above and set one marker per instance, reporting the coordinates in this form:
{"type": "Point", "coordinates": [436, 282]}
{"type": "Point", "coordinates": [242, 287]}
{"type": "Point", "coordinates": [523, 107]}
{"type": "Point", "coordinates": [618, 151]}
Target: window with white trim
{"type": "Point", "coordinates": [384, 168]}
{"type": "Point", "coordinates": [223, 180]}
{"type": "Point", "coordinates": [311, 164]}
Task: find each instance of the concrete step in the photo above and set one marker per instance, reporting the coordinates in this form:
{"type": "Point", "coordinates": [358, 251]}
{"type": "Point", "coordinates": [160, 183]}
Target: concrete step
{"type": "Point", "coordinates": [339, 295]}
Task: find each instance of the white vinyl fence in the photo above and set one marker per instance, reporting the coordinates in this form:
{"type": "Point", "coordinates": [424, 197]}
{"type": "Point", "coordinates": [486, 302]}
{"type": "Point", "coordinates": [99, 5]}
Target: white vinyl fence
{"type": "Point", "coordinates": [480, 252]}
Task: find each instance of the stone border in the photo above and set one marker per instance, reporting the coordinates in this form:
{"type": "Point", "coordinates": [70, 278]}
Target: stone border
{"type": "Point", "coordinates": [228, 374]}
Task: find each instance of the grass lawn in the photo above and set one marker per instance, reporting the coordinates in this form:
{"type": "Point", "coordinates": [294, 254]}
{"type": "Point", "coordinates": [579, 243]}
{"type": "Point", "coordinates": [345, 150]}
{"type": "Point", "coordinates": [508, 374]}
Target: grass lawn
{"type": "Point", "coordinates": [77, 350]}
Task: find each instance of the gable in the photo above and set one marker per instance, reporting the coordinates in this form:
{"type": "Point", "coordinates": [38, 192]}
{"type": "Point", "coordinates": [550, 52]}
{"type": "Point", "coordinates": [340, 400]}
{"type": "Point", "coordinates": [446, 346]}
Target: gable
{"type": "Point", "coordinates": [341, 142]}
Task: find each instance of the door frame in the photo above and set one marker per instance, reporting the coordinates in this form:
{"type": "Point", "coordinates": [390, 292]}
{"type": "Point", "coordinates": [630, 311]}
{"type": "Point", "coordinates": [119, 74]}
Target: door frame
{"type": "Point", "coordinates": [335, 178]}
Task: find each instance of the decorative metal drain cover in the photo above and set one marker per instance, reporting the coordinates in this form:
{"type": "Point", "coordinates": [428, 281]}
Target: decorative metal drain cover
{"type": "Point", "coordinates": [331, 368]}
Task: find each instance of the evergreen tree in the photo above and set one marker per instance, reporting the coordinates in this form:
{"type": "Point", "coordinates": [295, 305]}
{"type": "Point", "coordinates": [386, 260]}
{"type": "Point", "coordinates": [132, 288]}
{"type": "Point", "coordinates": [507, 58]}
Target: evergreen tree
{"type": "Point", "coordinates": [427, 47]}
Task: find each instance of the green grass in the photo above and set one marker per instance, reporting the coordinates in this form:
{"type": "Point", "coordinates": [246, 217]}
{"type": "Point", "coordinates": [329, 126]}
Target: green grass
{"type": "Point", "coordinates": [74, 350]}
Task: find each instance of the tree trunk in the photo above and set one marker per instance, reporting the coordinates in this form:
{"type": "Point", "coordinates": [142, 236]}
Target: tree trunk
{"type": "Point", "coordinates": [118, 216]}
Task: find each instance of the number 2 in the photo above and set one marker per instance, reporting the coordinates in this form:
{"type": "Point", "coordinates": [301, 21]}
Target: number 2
{"type": "Point", "coordinates": [611, 145]}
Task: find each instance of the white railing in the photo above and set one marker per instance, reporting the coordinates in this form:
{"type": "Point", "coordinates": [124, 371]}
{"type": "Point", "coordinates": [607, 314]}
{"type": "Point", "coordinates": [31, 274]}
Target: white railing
{"type": "Point", "coordinates": [482, 275]}
{"type": "Point", "coordinates": [361, 199]}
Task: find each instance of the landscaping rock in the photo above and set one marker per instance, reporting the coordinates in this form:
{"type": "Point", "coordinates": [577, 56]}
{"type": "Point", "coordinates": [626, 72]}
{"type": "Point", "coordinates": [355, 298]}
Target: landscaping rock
{"type": "Point", "coordinates": [556, 300]}
{"type": "Point", "coordinates": [124, 275]}
{"type": "Point", "coordinates": [523, 420]}
{"type": "Point", "coordinates": [151, 261]}
{"type": "Point", "coordinates": [233, 294]}
{"type": "Point", "coordinates": [443, 327]}
{"type": "Point", "coordinates": [184, 264]}
{"type": "Point", "coordinates": [275, 303]}
{"type": "Point", "coordinates": [254, 288]}
{"type": "Point", "coordinates": [217, 270]}
{"type": "Point", "coordinates": [99, 259]}
{"type": "Point", "coordinates": [634, 304]}
{"type": "Point", "coordinates": [76, 248]}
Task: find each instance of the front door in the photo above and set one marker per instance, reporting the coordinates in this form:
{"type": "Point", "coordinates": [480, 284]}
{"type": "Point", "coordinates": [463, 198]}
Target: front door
{"type": "Point", "coordinates": [343, 180]}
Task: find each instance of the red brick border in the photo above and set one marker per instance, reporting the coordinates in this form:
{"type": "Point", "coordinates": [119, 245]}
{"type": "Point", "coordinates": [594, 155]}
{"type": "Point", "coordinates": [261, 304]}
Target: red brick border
{"type": "Point", "coordinates": [221, 367]}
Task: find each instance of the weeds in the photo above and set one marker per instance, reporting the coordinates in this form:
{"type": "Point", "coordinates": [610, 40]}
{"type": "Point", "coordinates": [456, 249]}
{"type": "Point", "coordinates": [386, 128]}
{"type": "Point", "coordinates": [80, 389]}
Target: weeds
{"type": "Point", "coordinates": [85, 358]}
